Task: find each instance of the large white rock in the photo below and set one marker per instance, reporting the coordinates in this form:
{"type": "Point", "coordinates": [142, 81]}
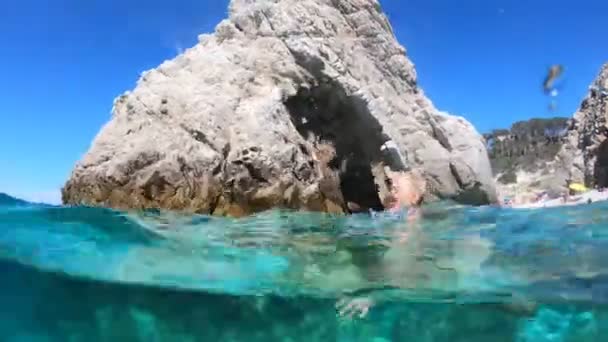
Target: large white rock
{"type": "Point", "coordinates": [285, 105]}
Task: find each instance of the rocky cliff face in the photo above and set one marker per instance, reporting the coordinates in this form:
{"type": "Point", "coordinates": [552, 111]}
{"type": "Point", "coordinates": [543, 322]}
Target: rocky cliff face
{"type": "Point", "coordinates": [523, 157]}
{"type": "Point", "coordinates": [584, 156]}
{"type": "Point", "coordinates": [286, 104]}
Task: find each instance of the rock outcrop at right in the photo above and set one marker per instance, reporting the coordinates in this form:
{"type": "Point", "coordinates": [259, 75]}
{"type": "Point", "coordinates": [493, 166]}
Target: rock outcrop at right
{"type": "Point", "coordinates": [584, 153]}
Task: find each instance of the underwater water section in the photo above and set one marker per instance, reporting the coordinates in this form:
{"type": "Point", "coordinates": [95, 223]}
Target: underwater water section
{"type": "Point", "coordinates": [459, 274]}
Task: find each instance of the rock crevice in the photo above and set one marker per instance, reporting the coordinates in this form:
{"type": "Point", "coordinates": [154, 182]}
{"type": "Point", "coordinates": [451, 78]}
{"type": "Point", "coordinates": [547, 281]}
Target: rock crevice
{"type": "Point", "coordinates": [325, 114]}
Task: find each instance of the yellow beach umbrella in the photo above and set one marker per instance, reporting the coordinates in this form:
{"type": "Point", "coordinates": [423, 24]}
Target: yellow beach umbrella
{"type": "Point", "coordinates": [578, 187]}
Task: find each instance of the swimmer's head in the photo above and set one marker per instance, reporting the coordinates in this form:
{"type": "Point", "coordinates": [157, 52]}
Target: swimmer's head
{"type": "Point", "coordinates": [407, 187]}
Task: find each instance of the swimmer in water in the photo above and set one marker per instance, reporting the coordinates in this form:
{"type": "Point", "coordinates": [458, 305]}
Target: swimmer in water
{"type": "Point", "coordinates": [407, 187]}
{"type": "Point", "coordinates": [405, 262]}
{"type": "Point", "coordinates": [406, 192]}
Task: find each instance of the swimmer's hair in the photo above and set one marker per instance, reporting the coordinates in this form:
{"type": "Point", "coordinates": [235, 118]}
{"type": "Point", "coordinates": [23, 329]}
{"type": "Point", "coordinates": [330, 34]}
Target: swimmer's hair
{"type": "Point", "coordinates": [392, 157]}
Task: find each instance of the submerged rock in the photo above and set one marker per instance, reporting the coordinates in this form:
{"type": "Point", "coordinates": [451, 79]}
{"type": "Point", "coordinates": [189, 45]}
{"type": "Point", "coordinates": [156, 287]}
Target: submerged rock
{"type": "Point", "coordinates": [286, 104]}
{"type": "Point", "coordinates": [584, 154]}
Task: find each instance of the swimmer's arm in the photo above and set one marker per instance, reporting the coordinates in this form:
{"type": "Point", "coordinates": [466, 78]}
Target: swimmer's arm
{"type": "Point", "coordinates": [396, 294]}
{"type": "Point", "coordinates": [359, 303]}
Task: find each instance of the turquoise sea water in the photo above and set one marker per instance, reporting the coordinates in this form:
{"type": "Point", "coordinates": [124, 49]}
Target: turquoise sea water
{"type": "Point", "coordinates": [460, 274]}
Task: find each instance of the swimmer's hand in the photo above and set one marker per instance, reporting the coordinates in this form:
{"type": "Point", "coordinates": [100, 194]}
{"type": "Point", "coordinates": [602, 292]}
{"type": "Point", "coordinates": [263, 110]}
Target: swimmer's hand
{"type": "Point", "coordinates": [349, 307]}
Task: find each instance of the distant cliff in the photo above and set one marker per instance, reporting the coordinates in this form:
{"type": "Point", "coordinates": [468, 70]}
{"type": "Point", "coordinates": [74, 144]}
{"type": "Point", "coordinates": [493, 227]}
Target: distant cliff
{"type": "Point", "coordinates": [6, 200]}
{"type": "Point", "coordinates": [544, 154]}
{"type": "Point", "coordinates": [527, 146]}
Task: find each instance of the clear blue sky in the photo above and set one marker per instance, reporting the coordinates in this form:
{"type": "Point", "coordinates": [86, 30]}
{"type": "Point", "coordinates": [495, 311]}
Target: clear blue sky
{"type": "Point", "coordinates": [64, 61]}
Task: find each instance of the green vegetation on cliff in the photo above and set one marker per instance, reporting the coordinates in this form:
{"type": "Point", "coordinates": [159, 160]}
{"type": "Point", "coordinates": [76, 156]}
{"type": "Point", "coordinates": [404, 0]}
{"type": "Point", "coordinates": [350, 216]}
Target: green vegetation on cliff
{"type": "Point", "coordinates": [527, 145]}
